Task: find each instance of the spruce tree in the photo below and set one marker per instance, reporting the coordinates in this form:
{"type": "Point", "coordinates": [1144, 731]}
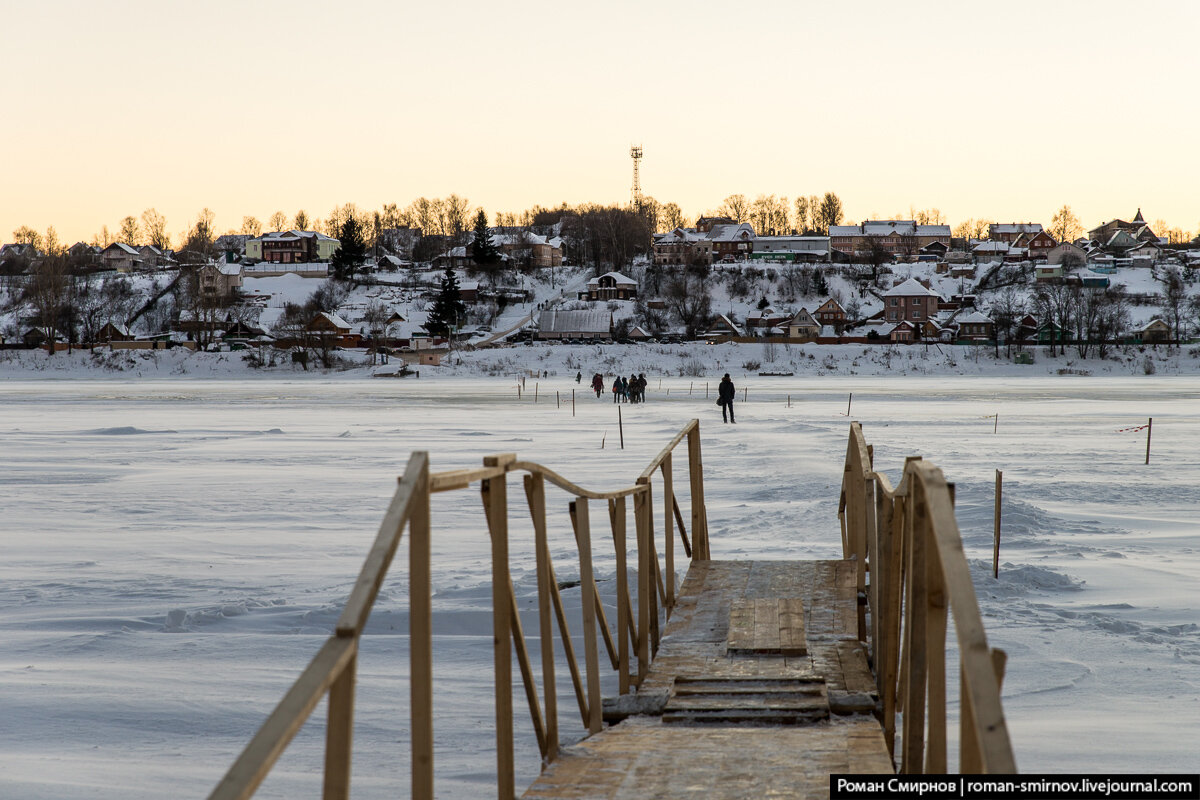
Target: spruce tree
{"type": "Point", "coordinates": [352, 251]}
{"type": "Point", "coordinates": [820, 286]}
{"type": "Point", "coordinates": [448, 309]}
{"type": "Point", "coordinates": [485, 253]}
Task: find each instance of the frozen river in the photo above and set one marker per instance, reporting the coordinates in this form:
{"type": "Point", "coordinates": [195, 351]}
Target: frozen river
{"type": "Point", "coordinates": [173, 552]}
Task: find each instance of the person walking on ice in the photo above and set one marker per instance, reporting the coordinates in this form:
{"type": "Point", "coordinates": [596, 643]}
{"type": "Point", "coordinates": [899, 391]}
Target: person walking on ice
{"type": "Point", "coordinates": [725, 394]}
{"type": "Point", "coordinates": [597, 384]}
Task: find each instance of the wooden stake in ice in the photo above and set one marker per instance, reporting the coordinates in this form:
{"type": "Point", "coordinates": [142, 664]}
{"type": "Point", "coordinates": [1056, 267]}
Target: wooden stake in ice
{"type": "Point", "coordinates": [848, 402]}
{"type": "Point", "coordinates": [621, 427]}
{"type": "Point", "coordinates": [996, 525]}
{"type": "Point", "coordinates": [1149, 428]}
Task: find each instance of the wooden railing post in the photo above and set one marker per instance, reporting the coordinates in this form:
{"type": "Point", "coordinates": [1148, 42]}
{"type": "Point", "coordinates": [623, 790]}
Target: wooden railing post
{"type": "Point", "coordinates": [420, 627]}
{"type": "Point", "coordinates": [339, 733]}
{"type": "Point", "coordinates": [915, 636]}
{"type": "Point", "coordinates": [935, 753]}
{"type": "Point", "coordinates": [700, 549]}
{"type": "Point", "coordinates": [495, 501]}
{"type": "Point", "coordinates": [641, 513]}
{"type": "Point", "coordinates": [535, 492]}
{"type": "Point", "coordinates": [616, 511]}
{"type": "Point", "coordinates": [587, 585]}
{"type": "Point", "coordinates": [669, 532]}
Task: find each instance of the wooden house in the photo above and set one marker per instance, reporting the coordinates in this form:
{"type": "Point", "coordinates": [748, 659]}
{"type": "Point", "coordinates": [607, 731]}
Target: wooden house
{"type": "Point", "coordinates": [803, 327]}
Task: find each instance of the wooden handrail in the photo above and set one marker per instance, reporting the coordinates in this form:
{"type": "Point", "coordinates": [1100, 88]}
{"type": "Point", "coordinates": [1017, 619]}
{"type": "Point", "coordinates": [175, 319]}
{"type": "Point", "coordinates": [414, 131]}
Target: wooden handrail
{"type": "Point", "coordinates": [907, 540]}
{"type": "Point", "coordinates": [332, 671]}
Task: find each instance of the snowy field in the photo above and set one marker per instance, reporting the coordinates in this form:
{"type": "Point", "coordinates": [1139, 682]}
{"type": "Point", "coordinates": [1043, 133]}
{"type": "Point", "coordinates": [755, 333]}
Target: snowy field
{"type": "Point", "coordinates": [174, 551]}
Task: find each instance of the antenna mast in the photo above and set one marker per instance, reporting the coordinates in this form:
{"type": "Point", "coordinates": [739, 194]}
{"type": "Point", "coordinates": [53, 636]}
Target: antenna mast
{"type": "Point", "coordinates": [635, 198]}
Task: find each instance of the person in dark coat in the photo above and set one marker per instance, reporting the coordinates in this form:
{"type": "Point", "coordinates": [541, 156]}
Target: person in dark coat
{"type": "Point", "coordinates": [597, 384]}
{"type": "Point", "coordinates": [617, 390]}
{"type": "Point", "coordinates": [725, 395]}
{"type": "Point", "coordinates": [578, 377]}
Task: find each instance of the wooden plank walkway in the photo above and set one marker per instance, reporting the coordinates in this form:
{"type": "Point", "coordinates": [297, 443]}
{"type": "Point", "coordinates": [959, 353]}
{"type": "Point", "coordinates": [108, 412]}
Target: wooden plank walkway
{"type": "Point", "coordinates": [760, 689]}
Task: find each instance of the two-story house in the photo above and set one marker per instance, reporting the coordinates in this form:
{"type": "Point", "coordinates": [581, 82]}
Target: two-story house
{"type": "Point", "coordinates": [610, 286]}
{"type": "Point", "coordinates": [910, 301]}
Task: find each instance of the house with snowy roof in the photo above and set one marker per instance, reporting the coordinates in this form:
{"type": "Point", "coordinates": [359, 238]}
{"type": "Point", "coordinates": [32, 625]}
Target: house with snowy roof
{"type": "Point", "coordinates": [830, 313]}
{"type": "Point", "coordinates": [610, 286]}
{"type": "Point", "coordinates": [590, 324]}
{"type": "Point", "coordinates": [292, 247]}
{"type": "Point", "coordinates": [896, 236]}
{"type": "Point", "coordinates": [791, 248]}
{"type": "Point", "coordinates": [529, 249]}
{"type": "Point", "coordinates": [1137, 231]}
{"type": "Point", "coordinates": [722, 326]}
{"type": "Point", "coordinates": [988, 251]}
{"type": "Point", "coordinates": [910, 300]}
{"type": "Point", "coordinates": [803, 327]}
{"type": "Point", "coordinates": [121, 257]}
{"type": "Point", "coordinates": [681, 247]}
{"type": "Point", "coordinates": [1010, 232]}
{"type": "Point", "coordinates": [975, 326]}
{"type": "Point", "coordinates": [115, 332]}
{"type": "Point", "coordinates": [218, 280]}
{"type": "Point", "coordinates": [1067, 254]}
{"type": "Point", "coordinates": [732, 242]}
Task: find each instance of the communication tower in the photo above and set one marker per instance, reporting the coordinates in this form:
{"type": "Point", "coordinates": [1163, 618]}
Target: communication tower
{"type": "Point", "coordinates": [635, 198]}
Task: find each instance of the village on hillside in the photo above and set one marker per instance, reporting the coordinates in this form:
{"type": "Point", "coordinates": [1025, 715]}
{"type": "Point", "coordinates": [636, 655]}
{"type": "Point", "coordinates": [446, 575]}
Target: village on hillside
{"type": "Point", "coordinates": [399, 293]}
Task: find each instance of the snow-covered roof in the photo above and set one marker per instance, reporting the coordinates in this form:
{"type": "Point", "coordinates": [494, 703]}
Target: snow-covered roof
{"type": "Point", "coordinates": [124, 248]}
{"type": "Point", "coordinates": [286, 236]}
{"type": "Point", "coordinates": [616, 276]}
{"type": "Point", "coordinates": [910, 288]}
{"type": "Point", "coordinates": [732, 233]}
{"type": "Point", "coordinates": [681, 236]}
{"type": "Point", "coordinates": [990, 247]}
{"type": "Point", "coordinates": [996, 228]}
{"type": "Point", "coordinates": [886, 227]}
{"type": "Point", "coordinates": [230, 269]}
{"type": "Point", "coordinates": [554, 321]}
{"type": "Point", "coordinates": [975, 317]}
{"type": "Point", "coordinates": [728, 324]}
{"type": "Point", "coordinates": [333, 319]}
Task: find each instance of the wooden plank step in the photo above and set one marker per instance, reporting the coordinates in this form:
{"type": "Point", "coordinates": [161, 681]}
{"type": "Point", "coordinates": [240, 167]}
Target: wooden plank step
{"type": "Point", "coordinates": [745, 717]}
{"type": "Point", "coordinates": [773, 701]}
{"type": "Point", "coordinates": [767, 625]}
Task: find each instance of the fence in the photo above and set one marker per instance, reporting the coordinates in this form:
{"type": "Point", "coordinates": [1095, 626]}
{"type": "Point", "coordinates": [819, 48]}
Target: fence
{"type": "Point", "coordinates": [332, 672]}
{"type": "Point", "coordinates": [906, 539]}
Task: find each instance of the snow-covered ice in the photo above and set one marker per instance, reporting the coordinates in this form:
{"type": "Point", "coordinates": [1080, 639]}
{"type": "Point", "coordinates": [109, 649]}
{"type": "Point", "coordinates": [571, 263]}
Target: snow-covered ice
{"type": "Point", "coordinates": [174, 551]}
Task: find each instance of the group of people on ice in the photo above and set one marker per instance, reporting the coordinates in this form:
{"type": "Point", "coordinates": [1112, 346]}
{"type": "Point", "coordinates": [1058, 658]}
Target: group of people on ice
{"type": "Point", "coordinates": [629, 390]}
{"type": "Point", "coordinates": [624, 390]}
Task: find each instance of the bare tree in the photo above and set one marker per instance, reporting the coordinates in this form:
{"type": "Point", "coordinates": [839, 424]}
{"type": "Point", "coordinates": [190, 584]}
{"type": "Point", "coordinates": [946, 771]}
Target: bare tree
{"type": "Point", "coordinates": [1055, 304]}
{"type": "Point", "coordinates": [277, 221]}
{"type": "Point", "coordinates": [829, 213]}
{"type": "Point", "coordinates": [1006, 312]}
{"type": "Point", "coordinates": [1174, 300]}
{"type": "Point", "coordinates": [48, 294]}
{"type": "Point", "coordinates": [736, 207]}
{"type": "Point", "coordinates": [1065, 225]}
{"type": "Point", "coordinates": [689, 299]}
{"type": "Point", "coordinates": [670, 217]}
{"type": "Point", "coordinates": [154, 229]}
{"type": "Point", "coordinates": [301, 222]}
{"type": "Point", "coordinates": [801, 219]}
{"type": "Point", "coordinates": [130, 233]}
{"type": "Point", "coordinates": [27, 235]}
{"type": "Point", "coordinates": [251, 226]}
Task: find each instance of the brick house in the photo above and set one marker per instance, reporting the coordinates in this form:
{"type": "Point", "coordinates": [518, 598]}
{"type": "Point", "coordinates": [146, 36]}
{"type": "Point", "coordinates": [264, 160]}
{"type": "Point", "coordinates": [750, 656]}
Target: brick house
{"type": "Point", "coordinates": [1010, 232]}
{"type": "Point", "coordinates": [292, 247]}
{"type": "Point", "coordinates": [610, 286]}
{"type": "Point", "coordinates": [899, 237]}
{"type": "Point", "coordinates": [731, 242]}
{"type": "Point", "coordinates": [911, 301]}
{"type": "Point", "coordinates": [682, 247]}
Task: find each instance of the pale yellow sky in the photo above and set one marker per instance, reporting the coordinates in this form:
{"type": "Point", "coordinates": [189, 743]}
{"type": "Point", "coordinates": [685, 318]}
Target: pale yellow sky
{"type": "Point", "coordinates": [999, 110]}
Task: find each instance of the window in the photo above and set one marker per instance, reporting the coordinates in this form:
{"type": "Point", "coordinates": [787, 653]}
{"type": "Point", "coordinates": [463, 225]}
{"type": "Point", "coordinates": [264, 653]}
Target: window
{"type": "Point", "coordinates": [892, 315]}
{"type": "Point", "coordinates": [893, 302]}
{"type": "Point", "coordinates": [916, 301]}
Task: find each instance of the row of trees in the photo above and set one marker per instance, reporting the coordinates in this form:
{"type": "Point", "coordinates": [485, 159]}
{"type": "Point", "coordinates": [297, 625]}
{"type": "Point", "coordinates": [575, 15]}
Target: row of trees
{"type": "Point", "coordinates": [775, 215]}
